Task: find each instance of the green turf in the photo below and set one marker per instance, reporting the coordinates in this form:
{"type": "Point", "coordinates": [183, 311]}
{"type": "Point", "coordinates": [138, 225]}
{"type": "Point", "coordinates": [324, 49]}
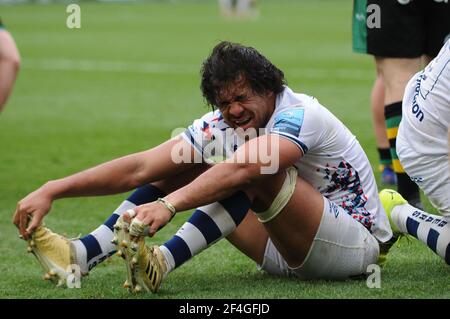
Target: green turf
{"type": "Point", "coordinates": [122, 82]}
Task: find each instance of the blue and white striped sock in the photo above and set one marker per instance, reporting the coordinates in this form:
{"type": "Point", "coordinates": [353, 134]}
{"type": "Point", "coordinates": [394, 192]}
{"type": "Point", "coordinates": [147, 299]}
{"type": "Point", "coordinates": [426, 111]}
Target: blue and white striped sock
{"type": "Point", "coordinates": [433, 230]}
{"type": "Point", "coordinates": [94, 248]}
{"type": "Point", "coordinates": [206, 226]}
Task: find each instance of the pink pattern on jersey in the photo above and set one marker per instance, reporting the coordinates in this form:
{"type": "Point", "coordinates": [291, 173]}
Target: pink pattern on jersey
{"type": "Point", "coordinates": [344, 188]}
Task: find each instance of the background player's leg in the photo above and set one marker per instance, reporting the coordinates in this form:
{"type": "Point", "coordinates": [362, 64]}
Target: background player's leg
{"type": "Point", "coordinates": [396, 73]}
{"type": "Point", "coordinates": [377, 106]}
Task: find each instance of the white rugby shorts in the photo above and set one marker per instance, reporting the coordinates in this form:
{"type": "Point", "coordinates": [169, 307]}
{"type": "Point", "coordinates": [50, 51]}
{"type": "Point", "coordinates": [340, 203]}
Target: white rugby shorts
{"type": "Point", "coordinates": [342, 248]}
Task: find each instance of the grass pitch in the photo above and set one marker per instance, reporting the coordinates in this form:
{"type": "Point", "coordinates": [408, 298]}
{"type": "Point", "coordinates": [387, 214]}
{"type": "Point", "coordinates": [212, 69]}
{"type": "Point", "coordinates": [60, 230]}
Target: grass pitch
{"type": "Point", "coordinates": [122, 83]}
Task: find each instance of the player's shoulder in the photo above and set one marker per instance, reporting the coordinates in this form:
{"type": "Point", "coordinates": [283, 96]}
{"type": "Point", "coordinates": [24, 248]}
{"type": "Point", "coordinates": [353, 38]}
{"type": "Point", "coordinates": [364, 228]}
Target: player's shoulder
{"type": "Point", "coordinates": [290, 103]}
{"type": "Point", "coordinates": [288, 99]}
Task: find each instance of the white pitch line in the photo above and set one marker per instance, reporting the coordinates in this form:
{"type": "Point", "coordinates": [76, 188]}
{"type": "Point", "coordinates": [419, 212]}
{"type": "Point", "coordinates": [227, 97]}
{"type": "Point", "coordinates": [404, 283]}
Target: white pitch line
{"type": "Point", "coordinates": [108, 66]}
{"type": "Point", "coordinates": [177, 69]}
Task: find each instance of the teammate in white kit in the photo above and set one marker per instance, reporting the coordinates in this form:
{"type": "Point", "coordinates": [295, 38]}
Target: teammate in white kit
{"type": "Point", "coordinates": [311, 211]}
{"type": "Point", "coordinates": [422, 147]}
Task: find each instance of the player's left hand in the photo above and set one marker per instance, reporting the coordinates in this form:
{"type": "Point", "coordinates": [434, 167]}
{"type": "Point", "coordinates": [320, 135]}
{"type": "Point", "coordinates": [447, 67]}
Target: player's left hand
{"type": "Point", "coordinates": [153, 216]}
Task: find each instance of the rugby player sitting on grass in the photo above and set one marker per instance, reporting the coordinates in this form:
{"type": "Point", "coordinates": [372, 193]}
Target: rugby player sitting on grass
{"type": "Point", "coordinates": [311, 211]}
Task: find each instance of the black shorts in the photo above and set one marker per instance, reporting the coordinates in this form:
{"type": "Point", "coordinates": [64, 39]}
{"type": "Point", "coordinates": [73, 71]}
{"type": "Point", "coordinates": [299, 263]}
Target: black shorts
{"type": "Point", "coordinates": [404, 30]}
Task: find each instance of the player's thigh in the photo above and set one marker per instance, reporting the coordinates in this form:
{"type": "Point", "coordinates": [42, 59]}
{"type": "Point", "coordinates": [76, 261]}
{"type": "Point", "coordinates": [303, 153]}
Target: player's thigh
{"type": "Point", "coordinates": [250, 237]}
{"type": "Point", "coordinates": [394, 70]}
{"type": "Point", "coordinates": [290, 210]}
{"type": "Point", "coordinates": [342, 248]}
{"type": "Point", "coordinates": [430, 172]}
{"type": "Point", "coordinates": [396, 73]}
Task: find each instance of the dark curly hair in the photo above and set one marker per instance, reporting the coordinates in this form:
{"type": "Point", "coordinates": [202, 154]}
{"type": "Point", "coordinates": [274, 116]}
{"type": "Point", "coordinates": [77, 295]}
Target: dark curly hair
{"type": "Point", "coordinates": [230, 62]}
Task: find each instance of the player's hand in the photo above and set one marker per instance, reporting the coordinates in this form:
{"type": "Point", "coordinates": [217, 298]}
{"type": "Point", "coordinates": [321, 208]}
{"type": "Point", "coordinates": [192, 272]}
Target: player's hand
{"type": "Point", "coordinates": [149, 217]}
{"type": "Point", "coordinates": [30, 211]}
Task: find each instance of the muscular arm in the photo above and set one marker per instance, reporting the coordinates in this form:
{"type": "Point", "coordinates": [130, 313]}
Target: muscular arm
{"type": "Point", "coordinates": [225, 178]}
{"type": "Point", "coordinates": [9, 65]}
{"type": "Point", "coordinates": [120, 175]}
{"type": "Point", "coordinates": [113, 177]}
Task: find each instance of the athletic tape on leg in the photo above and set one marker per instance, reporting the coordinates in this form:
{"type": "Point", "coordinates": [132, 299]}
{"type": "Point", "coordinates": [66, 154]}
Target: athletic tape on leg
{"type": "Point", "coordinates": [282, 198]}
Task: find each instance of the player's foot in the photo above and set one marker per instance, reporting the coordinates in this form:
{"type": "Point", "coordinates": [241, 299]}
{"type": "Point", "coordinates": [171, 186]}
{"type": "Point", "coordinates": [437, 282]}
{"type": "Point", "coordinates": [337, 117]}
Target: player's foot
{"type": "Point", "coordinates": [145, 265]}
{"type": "Point", "coordinates": [55, 253]}
{"type": "Point", "coordinates": [390, 199]}
{"type": "Point", "coordinates": [122, 241]}
{"type": "Point", "coordinates": [388, 175]}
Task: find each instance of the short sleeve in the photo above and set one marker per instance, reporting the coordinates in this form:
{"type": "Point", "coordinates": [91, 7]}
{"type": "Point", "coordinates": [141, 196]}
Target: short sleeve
{"type": "Point", "coordinates": [200, 133]}
{"type": "Point", "coordinates": [303, 126]}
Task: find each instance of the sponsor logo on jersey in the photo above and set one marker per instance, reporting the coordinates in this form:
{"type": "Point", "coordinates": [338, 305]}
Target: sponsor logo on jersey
{"type": "Point", "coordinates": [415, 106]}
{"type": "Point", "coordinates": [289, 122]}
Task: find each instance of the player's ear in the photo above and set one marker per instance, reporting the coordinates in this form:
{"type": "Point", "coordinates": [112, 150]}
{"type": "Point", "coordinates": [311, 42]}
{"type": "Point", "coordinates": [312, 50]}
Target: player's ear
{"type": "Point", "coordinates": [269, 93]}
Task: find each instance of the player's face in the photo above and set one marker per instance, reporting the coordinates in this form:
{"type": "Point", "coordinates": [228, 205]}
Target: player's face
{"type": "Point", "coordinates": [243, 108]}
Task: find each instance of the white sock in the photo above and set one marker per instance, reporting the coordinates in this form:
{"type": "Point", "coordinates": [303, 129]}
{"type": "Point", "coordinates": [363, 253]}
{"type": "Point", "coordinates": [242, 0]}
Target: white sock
{"type": "Point", "coordinates": [433, 230]}
{"type": "Point", "coordinates": [207, 225]}
{"type": "Point", "coordinates": [95, 247]}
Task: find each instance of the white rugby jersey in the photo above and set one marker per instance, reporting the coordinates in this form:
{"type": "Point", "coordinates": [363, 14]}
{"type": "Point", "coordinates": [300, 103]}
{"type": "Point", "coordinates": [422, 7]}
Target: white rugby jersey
{"type": "Point", "coordinates": [333, 160]}
{"type": "Point", "coordinates": [426, 105]}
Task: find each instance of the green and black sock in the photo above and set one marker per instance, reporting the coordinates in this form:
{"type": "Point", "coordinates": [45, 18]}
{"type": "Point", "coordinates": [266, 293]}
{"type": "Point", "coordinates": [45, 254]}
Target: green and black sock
{"type": "Point", "coordinates": [385, 157]}
{"type": "Point", "coordinates": [405, 186]}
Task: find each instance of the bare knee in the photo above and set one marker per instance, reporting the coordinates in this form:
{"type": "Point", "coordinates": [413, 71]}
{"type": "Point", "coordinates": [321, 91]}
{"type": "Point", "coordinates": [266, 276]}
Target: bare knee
{"type": "Point", "coordinates": [264, 191]}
